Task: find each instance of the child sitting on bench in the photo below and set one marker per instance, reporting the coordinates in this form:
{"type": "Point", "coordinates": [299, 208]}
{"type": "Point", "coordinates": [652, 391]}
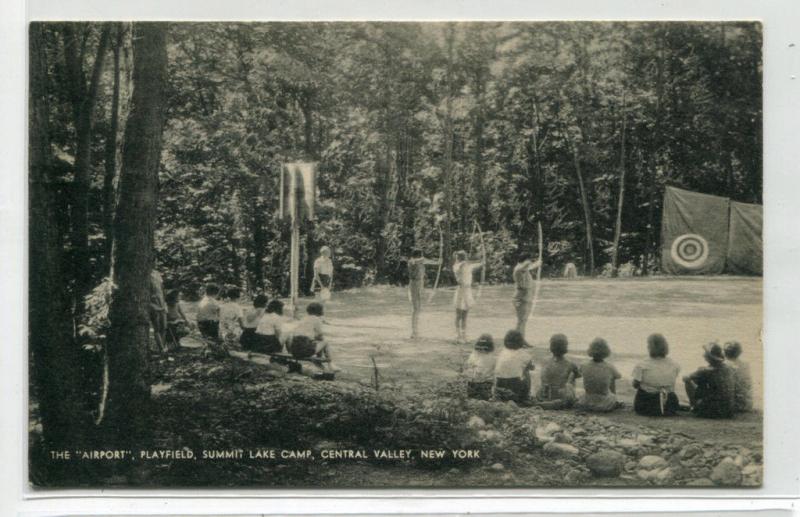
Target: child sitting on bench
{"type": "Point", "coordinates": [248, 340]}
{"type": "Point", "coordinates": [270, 329]}
{"type": "Point", "coordinates": [308, 340]}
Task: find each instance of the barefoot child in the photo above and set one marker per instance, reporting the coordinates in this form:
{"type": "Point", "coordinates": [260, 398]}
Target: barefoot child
{"type": "Point", "coordinates": [743, 380]}
{"type": "Point", "coordinates": [463, 300]}
{"type": "Point", "coordinates": [479, 369]}
{"type": "Point", "coordinates": [558, 377]}
{"type": "Point", "coordinates": [599, 380]}
{"type": "Point", "coordinates": [416, 283]}
{"type": "Point", "coordinates": [513, 369]}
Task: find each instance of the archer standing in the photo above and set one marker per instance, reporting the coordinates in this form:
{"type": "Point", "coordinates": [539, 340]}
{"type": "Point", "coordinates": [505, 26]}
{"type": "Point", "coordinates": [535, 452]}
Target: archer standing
{"type": "Point", "coordinates": [323, 275]}
{"type": "Point", "coordinates": [416, 283]}
{"type": "Point", "coordinates": [463, 300]}
{"type": "Point", "coordinates": [525, 288]}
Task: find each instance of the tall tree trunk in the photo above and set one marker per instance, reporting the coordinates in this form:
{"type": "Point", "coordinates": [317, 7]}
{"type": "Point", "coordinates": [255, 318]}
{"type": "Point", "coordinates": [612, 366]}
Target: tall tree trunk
{"type": "Point", "coordinates": [109, 196]}
{"type": "Point", "coordinates": [620, 196]}
{"type": "Point", "coordinates": [587, 209]}
{"type": "Point", "coordinates": [535, 178]}
{"type": "Point", "coordinates": [134, 224]}
{"type": "Point", "coordinates": [83, 98]}
{"type": "Point", "coordinates": [448, 186]}
{"type": "Point", "coordinates": [55, 363]}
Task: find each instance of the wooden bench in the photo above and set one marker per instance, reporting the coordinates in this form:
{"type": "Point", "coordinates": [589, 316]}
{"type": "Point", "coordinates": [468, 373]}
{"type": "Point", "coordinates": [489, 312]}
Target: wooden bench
{"type": "Point", "coordinates": [295, 364]}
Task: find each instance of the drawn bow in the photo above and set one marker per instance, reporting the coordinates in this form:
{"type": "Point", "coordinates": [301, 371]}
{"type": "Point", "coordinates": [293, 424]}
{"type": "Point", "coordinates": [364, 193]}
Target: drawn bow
{"type": "Point", "coordinates": [538, 271]}
{"type": "Point", "coordinates": [441, 258]}
{"type": "Point", "coordinates": [477, 226]}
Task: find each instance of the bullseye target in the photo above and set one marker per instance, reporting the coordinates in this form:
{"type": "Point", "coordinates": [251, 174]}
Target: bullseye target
{"type": "Point", "coordinates": [690, 251]}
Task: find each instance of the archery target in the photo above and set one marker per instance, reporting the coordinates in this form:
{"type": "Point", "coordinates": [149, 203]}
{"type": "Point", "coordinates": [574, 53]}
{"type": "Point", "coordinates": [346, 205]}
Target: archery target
{"type": "Point", "coordinates": [690, 251]}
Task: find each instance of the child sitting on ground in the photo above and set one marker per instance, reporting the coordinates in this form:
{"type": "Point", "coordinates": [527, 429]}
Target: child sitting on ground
{"type": "Point", "coordinates": [654, 380]}
{"type": "Point", "coordinates": [479, 369]}
{"type": "Point", "coordinates": [599, 380]}
{"type": "Point", "coordinates": [249, 339]}
{"type": "Point", "coordinates": [208, 313]}
{"type": "Point", "coordinates": [177, 323]}
{"type": "Point", "coordinates": [743, 383]}
{"type": "Point", "coordinates": [711, 389]}
{"type": "Point", "coordinates": [512, 370]}
{"type": "Point", "coordinates": [558, 377]}
{"type": "Point", "coordinates": [308, 340]}
{"type": "Point", "coordinates": [270, 329]}
{"type": "Point", "coordinates": [231, 317]}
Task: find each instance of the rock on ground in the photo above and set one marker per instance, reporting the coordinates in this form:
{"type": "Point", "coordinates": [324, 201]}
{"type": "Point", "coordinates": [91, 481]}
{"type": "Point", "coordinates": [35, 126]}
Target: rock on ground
{"type": "Point", "coordinates": [727, 473]}
{"type": "Point", "coordinates": [606, 463]}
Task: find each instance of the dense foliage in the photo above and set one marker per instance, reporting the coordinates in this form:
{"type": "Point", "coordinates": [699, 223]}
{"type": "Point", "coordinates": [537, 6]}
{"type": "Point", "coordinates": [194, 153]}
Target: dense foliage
{"type": "Point", "coordinates": [421, 127]}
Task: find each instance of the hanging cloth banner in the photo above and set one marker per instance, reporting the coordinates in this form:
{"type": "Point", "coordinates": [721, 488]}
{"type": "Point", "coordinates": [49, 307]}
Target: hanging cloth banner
{"type": "Point", "coordinates": [298, 190]}
{"type": "Point", "coordinates": [694, 233]}
{"type": "Point", "coordinates": [745, 245]}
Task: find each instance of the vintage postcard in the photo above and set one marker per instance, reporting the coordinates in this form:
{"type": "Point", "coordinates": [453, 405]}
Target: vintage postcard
{"type": "Point", "coordinates": [379, 255]}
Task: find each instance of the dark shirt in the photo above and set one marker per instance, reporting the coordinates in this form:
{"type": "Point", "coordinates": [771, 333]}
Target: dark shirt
{"type": "Point", "coordinates": [716, 391]}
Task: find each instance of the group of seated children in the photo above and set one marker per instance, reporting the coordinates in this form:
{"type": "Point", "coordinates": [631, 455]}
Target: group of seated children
{"type": "Point", "coordinates": [263, 329]}
{"type": "Point", "coordinates": [717, 391]}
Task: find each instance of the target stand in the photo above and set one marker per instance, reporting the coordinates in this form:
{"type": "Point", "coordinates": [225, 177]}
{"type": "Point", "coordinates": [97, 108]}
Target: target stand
{"type": "Point", "coordinates": [690, 251]}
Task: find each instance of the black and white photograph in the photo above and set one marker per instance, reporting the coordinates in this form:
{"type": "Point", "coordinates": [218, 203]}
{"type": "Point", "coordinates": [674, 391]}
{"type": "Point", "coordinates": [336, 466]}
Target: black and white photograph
{"type": "Point", "coordinates": [451, 254]}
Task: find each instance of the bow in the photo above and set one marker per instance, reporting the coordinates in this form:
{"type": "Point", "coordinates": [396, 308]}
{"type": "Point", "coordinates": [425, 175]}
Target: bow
{"type": "Point", "coordinates": [538, 272]}
{"type": "Point", "coordinates": [441, 259]}
{"type": "Point", "coordinates": [477, 226]}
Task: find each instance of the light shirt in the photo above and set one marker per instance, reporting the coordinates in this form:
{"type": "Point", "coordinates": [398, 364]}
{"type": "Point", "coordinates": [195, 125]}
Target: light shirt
{"type": "Point", "coordinates": [309, 326]}
{"type": "Point", "coordinates": [230, 314]}
{"type": "Point", "coordinates": [208, 309]}
{"type": "Point", "coordinates": [323, 266]}
{"type": "Point", "coordinates": [480, 366]}
{"type": "Point", "coordinates": [511, 363]}
{"type": "Point", "coordinates": [463, 272]}
{"type": "Point", "coordinates": [270, 324]}
{"type": "Point", "coordinates": [655, 374]}
{"type": "Point", "coordinates": [252, 317]}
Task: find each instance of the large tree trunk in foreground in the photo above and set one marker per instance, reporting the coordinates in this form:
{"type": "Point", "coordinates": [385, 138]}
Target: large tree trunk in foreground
{"type": "Point", "coordinates": [83, 97]}
{"type": "Point", "coordinates": [109, 197]}
{"type": "Point", "coordinates": [129, 390]}
{"type": "Point", "coordinates": [54, 367]}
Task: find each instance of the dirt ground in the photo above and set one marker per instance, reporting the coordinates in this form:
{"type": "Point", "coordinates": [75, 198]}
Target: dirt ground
{"type": "Point", "coordinates": [374, 322]}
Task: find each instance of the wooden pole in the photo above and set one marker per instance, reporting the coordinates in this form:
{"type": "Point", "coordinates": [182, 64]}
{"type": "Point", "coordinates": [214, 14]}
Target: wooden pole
{"type": "Point", "coordinates": [295, 258]}
{"type": "Point", "coordinates": [620, 197]}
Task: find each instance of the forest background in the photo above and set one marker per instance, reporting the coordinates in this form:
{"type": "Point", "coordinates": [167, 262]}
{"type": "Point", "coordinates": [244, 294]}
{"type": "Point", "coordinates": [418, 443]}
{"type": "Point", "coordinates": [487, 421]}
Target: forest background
{"type": "Point", "coordinates": [416, 128]}
{"type": "Point", "coordinates": [161, 145]}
